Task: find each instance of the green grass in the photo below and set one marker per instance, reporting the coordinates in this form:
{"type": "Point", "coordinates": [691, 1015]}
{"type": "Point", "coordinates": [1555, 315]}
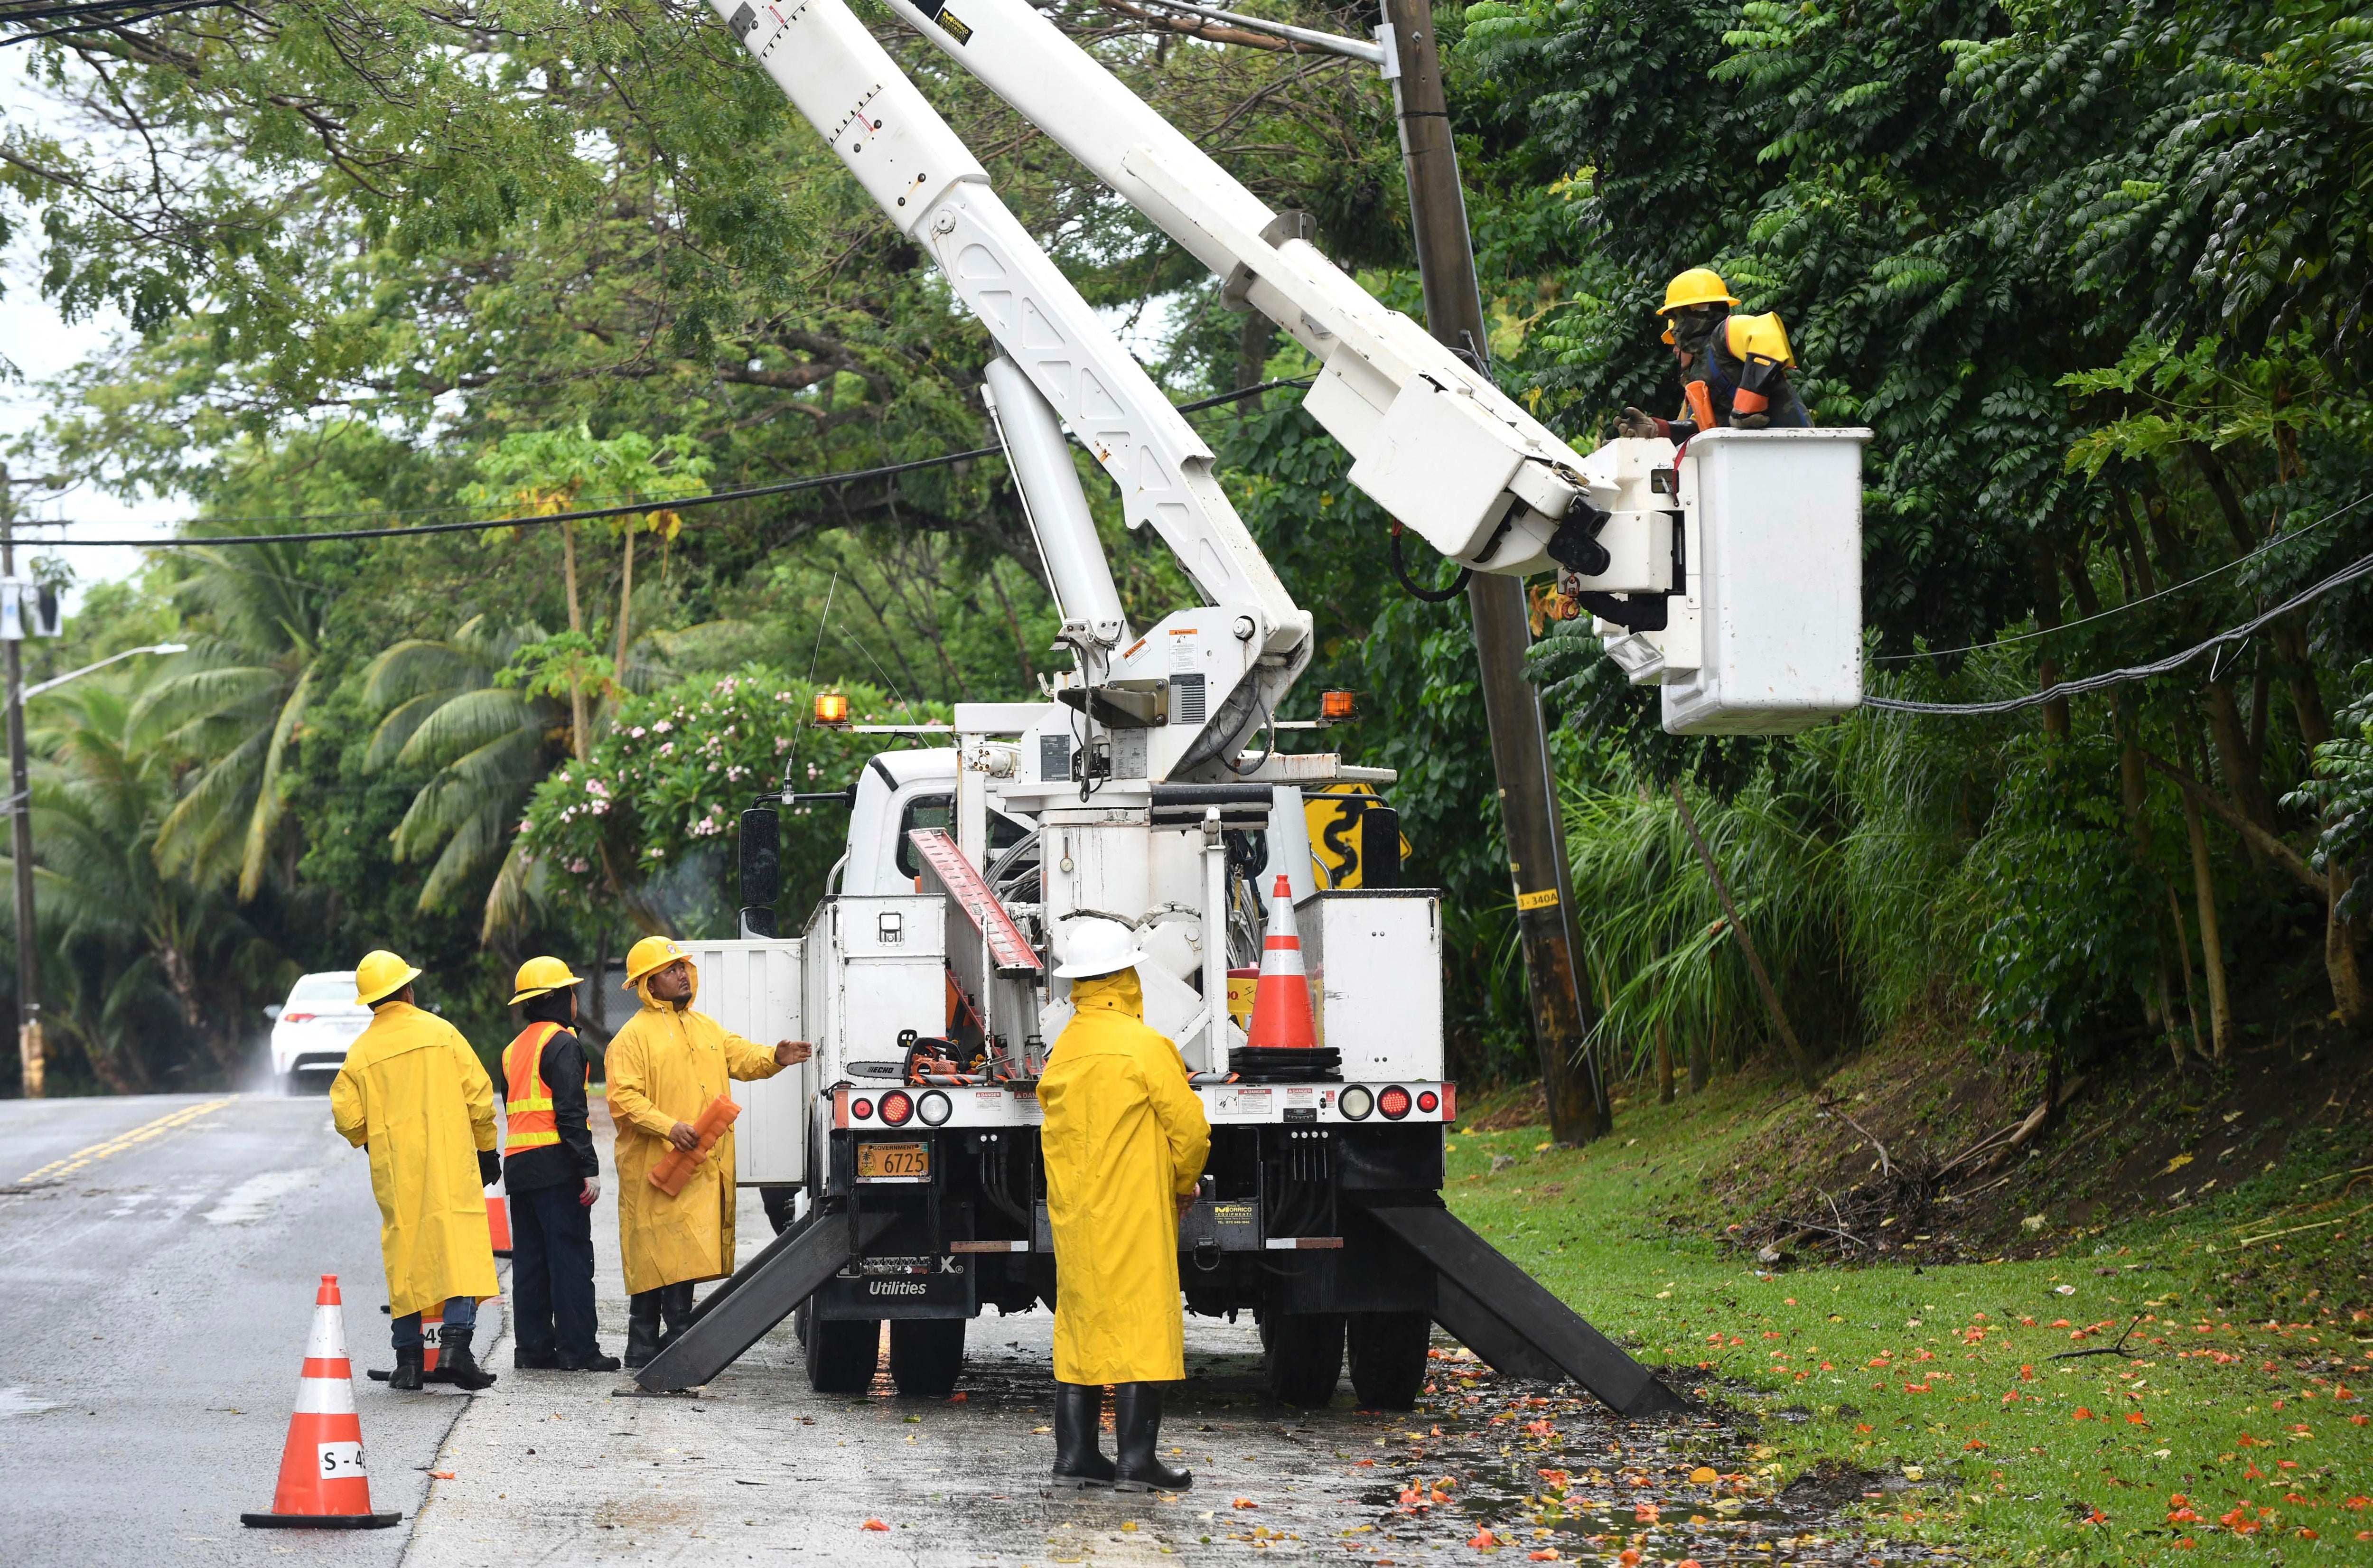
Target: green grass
{"type": "Point", "coordinates": [1947, 1372]}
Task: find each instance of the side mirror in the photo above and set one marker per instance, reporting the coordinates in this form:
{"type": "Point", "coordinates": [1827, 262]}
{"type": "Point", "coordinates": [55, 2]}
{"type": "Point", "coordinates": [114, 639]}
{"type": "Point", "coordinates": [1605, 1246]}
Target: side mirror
{"type": "Point", "coordinates": [273, 1010]}
{"type": "Point", "coordinates": [762, 865]}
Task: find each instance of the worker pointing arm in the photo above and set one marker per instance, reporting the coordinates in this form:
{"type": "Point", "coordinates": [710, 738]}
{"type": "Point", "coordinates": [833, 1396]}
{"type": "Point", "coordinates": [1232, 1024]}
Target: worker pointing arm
{"type": "Point", "coordinates": [665, 1067]}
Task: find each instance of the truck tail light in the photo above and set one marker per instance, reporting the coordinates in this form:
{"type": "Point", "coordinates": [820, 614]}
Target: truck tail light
{"type": "Point", "coordinates": [1428, 1101]}
{"type": "Point", "coordinates": [936, 1108]}
{"type": "Point", "coordinates": [1356, 1103]}
{"type": "Point", "coordinates": [860, 1109]}
{"type": "Point", "coordinates": [897, 1107]}
{"type": "Point", "coordinates": [1450, 1102]}
{"type": "Point", "coordinates": [1394, 1102]}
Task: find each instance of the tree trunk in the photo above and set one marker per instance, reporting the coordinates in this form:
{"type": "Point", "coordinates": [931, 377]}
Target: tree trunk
{"type": "Point", "coordinates": [2047, 618]}
{"type": "Point", "coordinates": [2289, 637]}
{"type": "Point", "coordinates": [2228, 503]}
{"type": "Point", "coordinates": [625, 605]}
{"type": "Point", "coordinates": [2211, 954]}
{"type": "Point", "coordinates": [2340, 956]}
{"type": "Point", "coordinates": [1700, 1071]}
{"type": "Point", "coordinates": [1664, 1066]}
{"type": "Point", "coordinates": [2144, 579]}
{"type": "Point", "coordinates": [2080, 581]}
{"type": "Point", "coordinates": [2242, 779]}
{"type": "Point", "coordinates": [580, 739]}
{"type": "Point", "coordinates": [1252, 356]}
{"type": "Point", "coordinates": [2183, 952]}
{"type": "Point", "coordinates": [2173, 554]}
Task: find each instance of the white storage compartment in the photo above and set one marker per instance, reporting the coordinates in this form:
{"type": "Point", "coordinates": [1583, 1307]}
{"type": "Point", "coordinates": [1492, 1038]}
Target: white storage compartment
{"type": "Point", "coordinates": [876, 965]}
{"type": "Point", "coordinates": [1374, 958]}
{"type": "Point", "coordinates": [753, 988]}
{"type": "Point", "coordinates": [1774, 558]}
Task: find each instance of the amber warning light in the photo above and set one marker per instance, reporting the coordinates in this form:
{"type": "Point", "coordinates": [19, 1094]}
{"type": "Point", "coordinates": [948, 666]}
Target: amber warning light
{"type": "Point", "coordinates": [832, 708]}
{"type": "Point", "coordinates": [1337, 706]}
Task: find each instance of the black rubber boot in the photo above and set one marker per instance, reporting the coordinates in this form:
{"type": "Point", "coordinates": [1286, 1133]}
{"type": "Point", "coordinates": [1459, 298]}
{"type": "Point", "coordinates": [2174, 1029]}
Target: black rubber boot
{"type": "Point", "coordinates": [675, 1312]}
{"type": "Point", "coordinates": [597, 1362]}
{"type": "Point", "coordinates": [642, 1328]}
{"type": "Point", "coordinates": [406, 1379]}
{"type": "Point", "coordinates": [1137, 1421]}
{"type": "Point", "coordinates": [1079, 1414]}
{"type": "Point", "coordinates": [536, 1361]}
{"type": "Point", "coordinates": [454, 1360]}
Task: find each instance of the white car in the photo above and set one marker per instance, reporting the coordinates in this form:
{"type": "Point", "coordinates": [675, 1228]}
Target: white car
{"type": "Point", "coordinates": [312, 1029]}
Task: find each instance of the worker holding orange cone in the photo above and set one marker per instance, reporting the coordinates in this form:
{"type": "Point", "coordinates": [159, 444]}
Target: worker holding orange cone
{"type": "Point", "coordinates": [666, 1068]}
{"type": "Point", "coordinates": [413, 1097]}
{"type": "Point", "coordinates": [322, 1484]}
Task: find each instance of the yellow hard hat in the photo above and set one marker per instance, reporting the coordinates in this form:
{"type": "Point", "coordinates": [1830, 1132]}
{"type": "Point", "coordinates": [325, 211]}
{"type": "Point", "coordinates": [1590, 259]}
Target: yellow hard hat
{"type": "Point", "coordinates": [538, 975]}
{"type": "Point", "coordinates": [1698, 285]}
{"type": "Point", "coordinates": [380, 974]}
{"type": "Point", "coordinates": [652, 952]}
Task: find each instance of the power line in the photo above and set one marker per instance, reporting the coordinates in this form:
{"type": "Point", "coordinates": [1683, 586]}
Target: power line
{"type": "Point", "coordinates": [630, 509]}
{"type": "Point", "coordinates": [2167, 665]}
{"type": "Point", "coordinates": [146, 14]}
{"type": "Point", "coordinates": [2281, 542]}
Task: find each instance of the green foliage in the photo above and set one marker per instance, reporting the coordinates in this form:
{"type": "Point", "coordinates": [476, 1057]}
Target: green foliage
{"type": "Point", "coordinates": [664, 788]}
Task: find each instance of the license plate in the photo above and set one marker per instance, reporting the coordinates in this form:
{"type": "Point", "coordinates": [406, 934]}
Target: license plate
{"type": "Point", "coordinates": [893, 1162]}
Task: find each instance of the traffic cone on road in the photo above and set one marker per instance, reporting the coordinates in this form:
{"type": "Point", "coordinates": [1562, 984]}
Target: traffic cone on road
{"type": "Point", "coordinates": [499, 1223]}
{"type": "Point", "coordinates": [323, 1485]}
{"type": "Point", "coordinates": [1281, 1043]}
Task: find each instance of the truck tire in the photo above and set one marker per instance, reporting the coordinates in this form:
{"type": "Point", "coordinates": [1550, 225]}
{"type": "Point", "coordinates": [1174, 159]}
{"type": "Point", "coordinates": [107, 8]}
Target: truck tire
{"type": "Point", "coordinates": [842, 1356]}
{"type": "Point", "coordinates": [1303, 1357]}
{"type": "Point", "coordinates": [926, 1355]}
{"type": "Point", "coordinates": [1387, 1356]}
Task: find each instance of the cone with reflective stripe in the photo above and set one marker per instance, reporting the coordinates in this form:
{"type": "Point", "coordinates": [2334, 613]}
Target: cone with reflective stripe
{"type": "Point", "coordinates": [1282, 996]}
{"type": "Point", "coordinates": [323, 1485]}
{"type": "Point", "coordinates": [499, 1223]}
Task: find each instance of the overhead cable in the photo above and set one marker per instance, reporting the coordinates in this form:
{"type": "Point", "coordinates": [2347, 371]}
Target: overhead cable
{"type": "Point", "coordinates": [584, 514]}
{"type": "Point", "coordinates": [2270, 546]}
{"type": "Point", "coordinates": [2352, 572]}
{"type": "Point", "coordinates": [96, 23]}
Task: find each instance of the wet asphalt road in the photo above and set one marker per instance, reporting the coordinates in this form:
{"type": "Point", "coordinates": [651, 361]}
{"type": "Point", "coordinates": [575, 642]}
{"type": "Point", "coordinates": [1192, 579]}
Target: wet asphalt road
{"type": "Point", "coordinates": [158, 1259]}
{"type": "Point", "coordinates": [159, 1266]}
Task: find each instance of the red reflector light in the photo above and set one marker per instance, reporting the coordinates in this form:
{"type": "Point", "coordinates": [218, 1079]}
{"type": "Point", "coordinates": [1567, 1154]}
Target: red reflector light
{"type": "Point", "coordinates": [860, 1109]}
{"type": "Point", "coordinates": [1394, 1102]}
{"type": "Point", "coordinates": [1428, 1101]}
{"type": "Point", "coordinates": [1450, 1102]}
{"type": "Point", "coordinates": [897, 1106]}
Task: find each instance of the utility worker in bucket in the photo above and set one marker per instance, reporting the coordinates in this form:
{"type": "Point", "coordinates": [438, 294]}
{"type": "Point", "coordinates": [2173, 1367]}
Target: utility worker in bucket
{"type": "Point", "coordinates": [1124, 1142]}
{"type": "Point", "coordinates": [1734, 369]}
{"type": "Point", "coordinates": [664, 1068]}
{"type": "Point", "coordinates": [414, 1097]}
{"type": "Point", "coordinates": [553, 1176]}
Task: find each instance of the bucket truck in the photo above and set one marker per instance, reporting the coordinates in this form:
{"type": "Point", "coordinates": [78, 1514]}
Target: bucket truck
{"type": "Point", "coordinates": [924, 975]}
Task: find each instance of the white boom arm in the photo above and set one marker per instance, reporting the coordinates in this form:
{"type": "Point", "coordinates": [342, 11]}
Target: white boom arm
{"type": "Point", "coordinates": [937, 194]}
{"type": "Point", "coordinates": [1434, 441]}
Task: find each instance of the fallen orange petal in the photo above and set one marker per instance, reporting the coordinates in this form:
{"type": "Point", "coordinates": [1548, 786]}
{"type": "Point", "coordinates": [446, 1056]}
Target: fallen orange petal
{"type": "Point", "coordinates": [1247, 1503]}
{"type": "Point", "coordinates": [1482, 1537]}
{"type": "Point", "coordinates": [874, 1525]}
{"type": "Point", "coordinates": [442, 1475]}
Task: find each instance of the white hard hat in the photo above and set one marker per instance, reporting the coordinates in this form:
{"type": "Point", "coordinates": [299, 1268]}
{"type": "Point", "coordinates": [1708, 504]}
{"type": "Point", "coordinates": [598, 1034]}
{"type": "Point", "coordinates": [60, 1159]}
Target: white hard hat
{"type": "Point", "coordinates": [1095, 946]}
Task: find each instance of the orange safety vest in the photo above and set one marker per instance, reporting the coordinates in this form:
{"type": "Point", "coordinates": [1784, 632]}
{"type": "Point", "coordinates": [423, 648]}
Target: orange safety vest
{"type": "Point", "coordinates": [527, 1098]}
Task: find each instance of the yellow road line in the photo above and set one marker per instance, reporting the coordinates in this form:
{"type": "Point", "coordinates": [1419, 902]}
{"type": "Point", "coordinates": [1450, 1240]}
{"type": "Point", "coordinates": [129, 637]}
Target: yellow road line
{"type": "Point", "coordinates": [117, 1145]}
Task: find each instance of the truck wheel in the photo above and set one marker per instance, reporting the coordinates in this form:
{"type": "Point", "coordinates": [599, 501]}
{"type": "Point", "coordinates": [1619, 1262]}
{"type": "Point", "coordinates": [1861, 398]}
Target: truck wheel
{"type": "Point", "coordinates": [1304, 1357]}
{"type": "Point", "coordinates": [842, 1356]}
{"type": "Point", "coordinates": [926, 1354]}
{"type": "Point", "coordinates": [1388, 1358]}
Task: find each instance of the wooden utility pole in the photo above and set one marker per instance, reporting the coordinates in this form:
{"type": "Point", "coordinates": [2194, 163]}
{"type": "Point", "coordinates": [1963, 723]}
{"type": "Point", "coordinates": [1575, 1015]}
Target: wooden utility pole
{"type": "Point", "coordinates": [1520, 751]}
{"type": "Point", "coordinates": [29, 1048]}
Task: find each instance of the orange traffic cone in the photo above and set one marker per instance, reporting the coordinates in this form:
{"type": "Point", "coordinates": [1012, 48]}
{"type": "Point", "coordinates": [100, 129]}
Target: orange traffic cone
{"type": "Point", "coordinates": [499, 1223]}
{"type": "Point", "coordinates": [1281, 1043]}
{"type": "Point", "coordinates": [323, 1485]}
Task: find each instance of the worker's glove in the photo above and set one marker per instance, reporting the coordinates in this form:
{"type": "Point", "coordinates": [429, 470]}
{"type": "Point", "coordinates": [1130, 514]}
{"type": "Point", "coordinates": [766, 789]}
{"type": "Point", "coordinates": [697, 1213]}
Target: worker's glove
{"type": "Point", "coordinates": [1750, 421]}
{"type": "Point", "coordinates": [1638, 425]}
{"type": "Point", "coordinates": [490, 1167]}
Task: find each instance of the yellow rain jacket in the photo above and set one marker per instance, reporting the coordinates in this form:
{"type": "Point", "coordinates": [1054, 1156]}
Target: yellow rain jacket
{"type": "Point", "coordinates": [1124, 1137]}
{"type": "Point", "coordinates": [413, 1091]}
{"type": "Point", "coordinates": [664, 1067]}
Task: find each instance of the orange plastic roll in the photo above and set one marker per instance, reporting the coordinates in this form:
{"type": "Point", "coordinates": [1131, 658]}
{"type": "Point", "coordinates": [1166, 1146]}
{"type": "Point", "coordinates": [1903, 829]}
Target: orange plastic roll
{"type": "Point", "coordinates": [676, 1166]}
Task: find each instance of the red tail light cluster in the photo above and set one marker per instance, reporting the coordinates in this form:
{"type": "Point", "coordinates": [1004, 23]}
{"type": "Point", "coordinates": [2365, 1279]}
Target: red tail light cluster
{"type": "Point", "coordinates": [1428, 1102]}
{"type": "Point", "coordinates": [860, 1109]}
{"type": "Point", "coordinates": [1394, 1102]}
{"type": "Point", "coordinates": [897, 1107]}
